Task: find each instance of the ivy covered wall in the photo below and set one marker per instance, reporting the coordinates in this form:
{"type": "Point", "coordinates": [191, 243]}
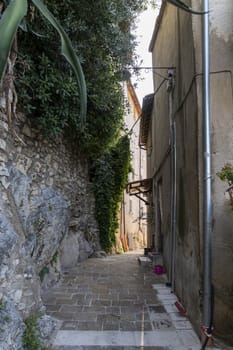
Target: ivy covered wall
{"type": "Point", "coordinates": [48, 93]}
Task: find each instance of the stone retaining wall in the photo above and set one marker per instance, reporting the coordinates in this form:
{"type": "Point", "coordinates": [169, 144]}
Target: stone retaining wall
{"type": "Point", "coordinates": [46, 219]}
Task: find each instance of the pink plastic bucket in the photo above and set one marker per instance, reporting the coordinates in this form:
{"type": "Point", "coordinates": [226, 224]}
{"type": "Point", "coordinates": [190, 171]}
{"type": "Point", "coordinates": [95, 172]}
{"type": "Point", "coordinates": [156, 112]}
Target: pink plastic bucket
{"type": "Point", "coordinates": [158, 269]}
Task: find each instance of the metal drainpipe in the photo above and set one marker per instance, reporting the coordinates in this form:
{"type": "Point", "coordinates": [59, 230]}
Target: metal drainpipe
{"type": "Point", "coordinates": [170, 89]}
{"type": "Point", "coordinates": [140, 177]}
{"type": "Point", "coordinates": [207, 188]}
{"type": "Point", "coordinates": [174, 205]}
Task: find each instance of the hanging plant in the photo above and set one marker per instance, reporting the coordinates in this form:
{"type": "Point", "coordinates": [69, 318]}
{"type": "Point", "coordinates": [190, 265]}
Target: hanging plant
{"type": "Point", "coordinates": [226, 174]}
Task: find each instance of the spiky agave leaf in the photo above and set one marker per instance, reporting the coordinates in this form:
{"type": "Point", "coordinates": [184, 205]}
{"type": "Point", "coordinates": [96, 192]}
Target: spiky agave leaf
{"type": "Point", "coordinates": [9, 23]}
{"type": "Point", "coordinates": [68, 51]}
{"type": "Point", "coordinates": [185, 7]}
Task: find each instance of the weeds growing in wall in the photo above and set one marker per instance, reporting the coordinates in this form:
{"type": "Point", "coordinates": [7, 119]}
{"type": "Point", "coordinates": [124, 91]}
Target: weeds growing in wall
{"type": "Point", "coordinates": [30, 338]}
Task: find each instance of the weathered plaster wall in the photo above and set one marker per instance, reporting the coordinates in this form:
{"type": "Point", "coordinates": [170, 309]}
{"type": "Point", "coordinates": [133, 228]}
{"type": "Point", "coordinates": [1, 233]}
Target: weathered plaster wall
{"type": "Point", "coordinates": [221, 68]}
{"type": "Point", "coordinates": [160, 156]}
{"type": "Point", "coordinates": [179, 43]}
{"type": "Point", "coordinates": [174, 48]}
{"type": "Point", "coordinates": [134, 210]}
{"type": "Point", "coordinates": [222, 246]}
{"type": "Point", "coordinates": [46, 219]}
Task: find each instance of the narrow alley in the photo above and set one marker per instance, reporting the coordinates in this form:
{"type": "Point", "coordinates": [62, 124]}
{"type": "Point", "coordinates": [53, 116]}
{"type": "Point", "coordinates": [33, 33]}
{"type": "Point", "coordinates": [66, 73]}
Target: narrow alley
{"type": "Point", "coordinates": [117, 303]}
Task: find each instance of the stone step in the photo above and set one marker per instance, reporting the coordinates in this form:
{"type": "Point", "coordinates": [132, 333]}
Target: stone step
{"type": "Point", "coordinates": [96, 340]}
{"type": "Point", "coordinates": [144, 260]}
{"type": "Point", "coordinates": [110, 348]}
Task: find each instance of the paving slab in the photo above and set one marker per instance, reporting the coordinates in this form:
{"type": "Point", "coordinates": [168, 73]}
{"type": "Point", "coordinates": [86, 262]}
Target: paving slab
{"type": "Point", "coordinates": [117, 303]}
{"type": "Point", "coordinates": [109, 348]}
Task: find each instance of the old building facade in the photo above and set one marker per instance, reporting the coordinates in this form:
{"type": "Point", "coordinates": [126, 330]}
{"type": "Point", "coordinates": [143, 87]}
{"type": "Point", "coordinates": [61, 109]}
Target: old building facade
{"type": "Point", "coordinates": [133, 209]}
{"type": "Point", "coordinates": [172, 133]}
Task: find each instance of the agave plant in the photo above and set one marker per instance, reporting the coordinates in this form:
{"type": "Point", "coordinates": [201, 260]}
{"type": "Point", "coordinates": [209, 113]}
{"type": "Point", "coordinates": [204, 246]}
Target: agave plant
{"type": "Point", "coordinates": [9, 24]}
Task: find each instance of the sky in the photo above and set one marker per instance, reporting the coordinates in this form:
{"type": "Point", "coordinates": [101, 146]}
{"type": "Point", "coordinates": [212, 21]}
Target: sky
{"type": "Point", "coordinates": [145, 27]}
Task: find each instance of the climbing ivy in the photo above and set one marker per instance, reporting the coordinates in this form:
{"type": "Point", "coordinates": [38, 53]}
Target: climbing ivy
{"type": "Point", "coordinates": [110, 176]}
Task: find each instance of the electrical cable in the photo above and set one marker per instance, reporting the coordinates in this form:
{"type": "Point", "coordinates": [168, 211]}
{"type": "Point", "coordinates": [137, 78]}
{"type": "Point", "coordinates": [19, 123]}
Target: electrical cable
{"type": "Point", "coordinates": [160, 85]}
{"type": "Point", "coordinates": [156, 91]}
{"type": "Point", "coordinates": [153, 69]}
{"type": "Point", "coordinates": [192, 82]}
{"type": "Point", "coordinates": [160, 75]}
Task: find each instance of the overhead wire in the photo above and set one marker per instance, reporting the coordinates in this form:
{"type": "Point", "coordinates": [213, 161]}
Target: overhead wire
{"type": "Point", "coordinates": [156, 91]}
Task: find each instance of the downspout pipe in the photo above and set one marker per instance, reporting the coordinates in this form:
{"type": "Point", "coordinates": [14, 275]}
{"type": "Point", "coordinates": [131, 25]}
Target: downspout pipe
{"type": "Point", "coordinates": [140, 177]}
{"type": "Point", "coordinates": [170, 89]}
{"type": "Point", "coordinates": [174, 206]}
{"type": "Point", "coordinates": [207, 177]}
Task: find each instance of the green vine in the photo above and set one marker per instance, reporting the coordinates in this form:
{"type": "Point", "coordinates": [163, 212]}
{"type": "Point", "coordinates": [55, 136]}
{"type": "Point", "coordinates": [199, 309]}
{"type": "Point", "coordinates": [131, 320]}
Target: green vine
{"type": "Point", "coordinates": [110, 178]}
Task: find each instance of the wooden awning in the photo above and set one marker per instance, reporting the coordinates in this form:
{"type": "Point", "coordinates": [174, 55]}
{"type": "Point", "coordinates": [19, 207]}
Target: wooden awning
{"type": "Point", "coordinates": [139, 187]}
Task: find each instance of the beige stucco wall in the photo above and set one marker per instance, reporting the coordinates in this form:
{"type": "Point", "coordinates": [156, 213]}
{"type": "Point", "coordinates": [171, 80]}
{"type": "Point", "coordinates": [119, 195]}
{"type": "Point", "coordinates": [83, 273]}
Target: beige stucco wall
{"type": "Point", "coordinates": [179, 43]}
{"type": "Point", "coordinates": [174, 47]}
{"type": "Point", "coordinates": [221, 101]}
{"type": "Point", "coordinates": [135, 211]}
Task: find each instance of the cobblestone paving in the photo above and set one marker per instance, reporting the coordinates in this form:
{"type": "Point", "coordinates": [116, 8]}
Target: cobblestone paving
{"type": "Point", "coordinates": [103, 303]}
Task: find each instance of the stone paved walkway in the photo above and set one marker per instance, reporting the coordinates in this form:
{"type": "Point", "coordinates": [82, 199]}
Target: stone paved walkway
{"type": "Point", "coordinates": [115, 303]}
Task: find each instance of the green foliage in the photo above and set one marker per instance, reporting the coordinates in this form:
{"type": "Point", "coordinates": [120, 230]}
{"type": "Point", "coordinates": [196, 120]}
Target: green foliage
{"type": "Point", "coordinates": [8, 26]}
{"type": "Point", "coordinates": [101, 35]}
{"type": "Point", "coordinates": [41, 84]}
{"type": "Point", "coordinates": [9, 23]}
{"type": "Point", "coordinates": [43, 272]}
{"type": "Point", "coordinates": [47, 92]}
{"type": "Point", "coordinates": [38, 225]}
{"type": "Point", "coordinates": [110, 176]}
{"type": "Point", "coordinates": [30, 338]}
{"type": "Point", "coordinates": [6, 318]}
{"type": "Point", "coordinates": [3, 312]}
{"type": "Point", "coordinates": [68, 52]}
{"type": "Point", "coordinates": [2, 306]}
{"type": "Point", "coordinates": [54, 259]}
{"type": "Point", "coordinates": [226, 174]}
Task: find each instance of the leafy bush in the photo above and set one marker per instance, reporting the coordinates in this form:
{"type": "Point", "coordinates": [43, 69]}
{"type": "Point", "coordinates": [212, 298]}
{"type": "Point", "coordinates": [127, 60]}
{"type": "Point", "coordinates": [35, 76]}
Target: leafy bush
{"type": "Point", "coordinates": [47, 94]}
{"type": "Point", "coordinates": [47, 90]}
{"type": "Point", "coordinates": [18, 13]}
